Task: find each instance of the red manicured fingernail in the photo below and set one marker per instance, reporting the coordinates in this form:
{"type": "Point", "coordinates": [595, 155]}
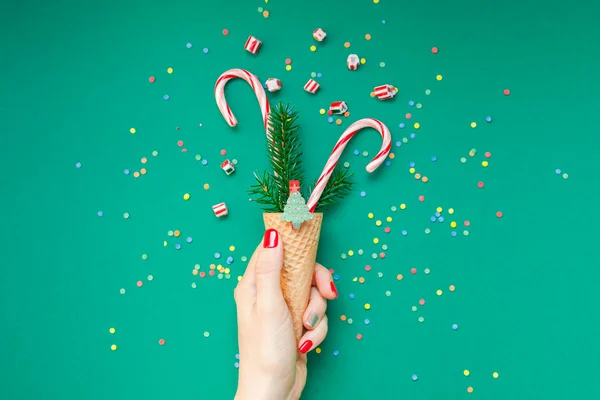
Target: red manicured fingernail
{"type": "Point", "coordinates": [334, 289]}
{"type": "Point", "coordinates": [271, 239]}
{"type": "Point", "coordinates": [305, 346]}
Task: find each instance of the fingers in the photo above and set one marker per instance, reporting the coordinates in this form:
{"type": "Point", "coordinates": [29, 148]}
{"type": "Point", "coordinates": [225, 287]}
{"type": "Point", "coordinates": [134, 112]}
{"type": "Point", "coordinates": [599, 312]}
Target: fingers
{"type": "Point", "coordinates": [314, 338]}
{"type": "Point", "coordinates": [267, 270]}
{"type": "Point", "coordinates": [323, 281]}
{"type": "Point", "coordinates": [315, 311]}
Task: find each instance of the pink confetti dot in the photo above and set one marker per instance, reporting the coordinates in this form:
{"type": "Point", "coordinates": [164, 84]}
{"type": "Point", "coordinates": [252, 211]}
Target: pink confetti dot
{"type": "Point", "coordinates": [421, 198]}
{"type": "Point", "coordinates": [488, 154]}
{"type": "Point", "coordinates": [331, 271]}
{"type": "Point", "coordinates": [368, 268]}
{"type": "Point", "coordinates": [202, 274]}
{"type": "Point", "coordinates": [223, 152]}
{"type": "Point", "coordinates": [480, 185]}
{"type": "Point", "coordinates": [387, 229]}
{"type": "Point", "coordinates": [225, 32]}
{"type": "Point", "coordinates": [413, 271]}
{"type": "Point", "coordinates": [180, 143]}
{"type": "Point", "coordinates": [434, 50]}
{"type": "Point", "coordinates": [184, 150]}
{"type": "Point", "coordinates": [382, 255]}
{"type": "Point", "coordinates": [161, 342]}
{"type": "Point", "coordinates": [212, 272]}
{"type": "Point", "coordinates": [288, 61]}
{"type": "Point", "coordinates": [422, 302]}
{"type": "Point", "coordinates": [140, 283]}
{"type": "Point", "coordinates": [408, 116]}
{"type": "Point", "coordinates": [467, 223]}
{"type": "Point", "coordinates": [506, 92]}
{"type": "Point", "coordinates": [499, 214]}
{"type": "Point", "coordinates": [359, 336]}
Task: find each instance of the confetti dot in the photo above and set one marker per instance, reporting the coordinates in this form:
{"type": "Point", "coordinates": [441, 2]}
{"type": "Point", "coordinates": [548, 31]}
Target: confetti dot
{"type": "Point", "coordinates": [161, 342]}
{"type": "Point", "coordinates": [495, 375]}
{"type": "Point", "coordinates": [484, 164]}
{"type": "Point", "coordinates": [427, 231]}
{"type": "Point", "coordinates": [113, 347]}
{"type": "Point", "coordinates": [421, 198]}
{"type": "Point", "coordinates": [473, 124]}
{"type": "Point", "coordinates": [363, 60]}
{"type": "Point", "coordinates": [152, 79]}
{"type": "Point", "coordinates": [382, 64]}
{"type": "Point", "coordinates": [313, 48]}
{"type": "Point", "coordinates": [225, 32]}
{"type": "Point", "coordinates": [480, 185]}
{"type": "Point", "coordinates": [338, 121]}
{"type": "Point", "coordinates": [466, 372]}
{"type": "Point", "coordinates": [140, 283]}
{"type": "Point", "coordinates": [422, 302]}
{"type": "Point", "coordinates": [488, 119]}
{"type": "Point", "coordinates": [565, 175]}
{"type": "Point", "coordinates": [413, 271]}
{"type": "Point", "coordinates": [368, 36]}
{"type": "Point", "coordinates": [144, 257]}
{"type": "Point", "coordinates": [414, 377]}
{"type": "Point", "coordinates": [427, 92]}
{"type": "Point", "coordinates": [367, 322]}
{"type": "Point", "coordinates": [434, 50]}
{"type": "Point", "coordinates": [439, 77]}
{"type": "Point", "coordinates": [143, 171]}
{"type": "Point", "coordinates": [336, 352]}
{"type": "Point", "coordinates": [266, 14]}
{"type": "Point", "coordinates": [438, 292]}
{"type": "Point", "coordinates": [206, 334]}
{"type": "Point", "coordinates": [470, 389]}
{"type": "Point", "coordinates": [463, 160]}
{"type": "Point", "coordinates": [499, 214]}
{"type": "Point", "coordinates": [421, 319]}
{"type": "Point", "coordinates": [122, 291]}
{"type": "Point", "coordinates": [363, 194]}
{"type": "Point", "coordinates": [100, 213]}
{"type": "Point", "coordinates": [506, 92]}
{"type": "Point", "coordinates": [417, 125]}
{"type": "Point", "coordinates": [427, 271]}
{"type": "Point", "coordinates": [206, 186]}
{"type": "Point", "coordinates": [186, 196]}
{"type": "Point", "coordinates": [367, 306]}
{"type": "Point", "coordinates": [347, 44]}
{"type": "Point", "coordinates": [454, 327]}
{"type": "Point", "coordinates": [112, 330]}
{"type": "Point", "coordinates": [318, 350]}
{"type": "Point", "coordinates": [402, 206]}
{"type": "Point", "coordinates": [170, 70]}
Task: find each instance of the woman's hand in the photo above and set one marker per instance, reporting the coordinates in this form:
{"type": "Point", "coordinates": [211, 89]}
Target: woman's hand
{"type": "Point", "coordinates": [272, 364]}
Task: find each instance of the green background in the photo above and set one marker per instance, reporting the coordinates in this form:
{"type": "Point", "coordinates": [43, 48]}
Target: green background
{"type": "Point", "coordinates": [74, 79]}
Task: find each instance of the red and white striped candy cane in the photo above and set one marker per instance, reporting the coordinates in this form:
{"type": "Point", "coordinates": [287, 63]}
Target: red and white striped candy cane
{"type": "Point", "coordinates": [256, 86]}
{"type": "Point", "coordinates": [339, 148]}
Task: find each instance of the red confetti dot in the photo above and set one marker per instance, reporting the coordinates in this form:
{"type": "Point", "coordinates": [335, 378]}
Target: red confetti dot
{"type": "Point", "coordinates": [212, 272]}
{"type": "Point", "coordinates": [358, 337]}
{"type": "Point", "coordinates": [184, 150]}
{"type": "Point", "coordinates": [480, 185]}
{"type": "Point", "coordinates": [223, 152]}
{"type": "Point", "coordinates": [225, 32]}
{"type": "Point", "coordinates": [368, 268]}
{"type": "Point", "coordinates": [180, 143]}
{"type": "Point", "coordinates": [331, 271]}
{"type": "Point", "coordinates": [161, 342]}
{"type": "Point", "coordinates": [422, 302]}
{"type": "Point", "coordinates": [140, 283]}
{"type": "Point", "coordinates": [467, 223]}
{"type": "Point", "coordinates": [387, 229]}
{"type": "Point", "coordinates": [329, 112]}
{"type": "Point", "coordinates": [434, 50]}
{"type": "Point", "coordinates": [413, 271]}
{"type": "Point", "coordinates": [488, 154]}
{"type": "Point", "coordinates": [288, 61]}
{"type": "Point", "coordinates": [499, 214]}
{"type": "Point", "coordinates": [202, 274]}
{"type": "Point", "coordinates": [152, 79]}
{"type": "Point", "coordinates": [506, 92]}
{"type": "Point", "coordinates": [408, 116]}
{"type": "Point", "coordinates": [382, 255]}
{"type": "Point", "coordinates": [421, 198]}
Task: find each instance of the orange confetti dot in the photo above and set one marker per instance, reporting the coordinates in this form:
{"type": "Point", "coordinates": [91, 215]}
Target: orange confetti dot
{"type": "Point", "coordinates": [399, 277]}
{"type": "Point", "coordinates": [425, 179]}
{"type": "Point", "coordinates": [417, 176]}
{"type": "Point", "coordinates": [143, 171]}
{"type": "Point", "coordinates": [266, 14]}
{"type": "Point", "coordinates": [343, 317]}
{"type": "Point", "coordinates": [392, 155]}
{"type": "Point", "coordinates": [194, 272]}
{"type": "Point", "coordinates": [136, 174]}
{"type": "Point", "coordinates": [372, 94]}
{"type": "Point", "coordinates": [176, 233]}
{"type": "Point", "coordinates": [470, 389]}
{"type": "Point", "coordinates": [368, 36]}
{"type": "Point", "coordinates": [347, 114]}
{"type": "Point", "coordinates": [347, 44]}
{"type": "Point", "coordinates": [361, 280]}
{"type": "Point", "coordinates": [338, 121]}
{"type": "Point", "coordinates": [452, 288]}
{"type": "Point", "coordinates": [144, 160]}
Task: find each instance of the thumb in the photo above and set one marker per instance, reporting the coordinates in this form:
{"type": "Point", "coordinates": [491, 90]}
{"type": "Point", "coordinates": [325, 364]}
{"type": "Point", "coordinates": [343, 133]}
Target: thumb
{"type": "Point", "coordinates": [268, 270]}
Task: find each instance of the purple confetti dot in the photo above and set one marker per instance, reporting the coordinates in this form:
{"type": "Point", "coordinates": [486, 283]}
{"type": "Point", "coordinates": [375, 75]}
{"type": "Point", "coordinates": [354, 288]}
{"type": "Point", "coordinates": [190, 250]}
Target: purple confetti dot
{"type": "Point", "coordinates": [189, 239]}
{"type": "Point", "coordinates": [367, 322]}
{"type": "Point", "coordinates": [166, 97]}
{"type": "Point", "coordinates": [177, 246]}
{"type": "Point", "coordinates": [204, 162]}
{"type": "Point", "coordinates": [363, 194]}
{"type": "Point", "coordinates": [404, 232]}
{"type": "Point", "coordinates": [126, 172]}
{"type": "Point", "coordinates": [217, 255]}
{"type": "Point", "coordinates": [453, 233]}
{"type": "Point", "coordinates": [188, 45]}
{"type": "Point", "coordinates": [205, 50]}
{"type": "Point", "coordinates": [454, 326]}
{"type": "Point", "coordinates": [401, 125]}
{"type": "Point", "coordinates": [412, 136]}
{"type": "Point", "coordinates": [100, 213]}
{"type": "Point", "coordinates": [78, 165]}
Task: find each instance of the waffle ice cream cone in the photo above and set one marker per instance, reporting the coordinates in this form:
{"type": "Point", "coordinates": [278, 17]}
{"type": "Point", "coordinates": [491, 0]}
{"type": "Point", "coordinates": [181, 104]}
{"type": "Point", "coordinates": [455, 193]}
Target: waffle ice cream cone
{"type": "Point", "coordinates": [299, 257]}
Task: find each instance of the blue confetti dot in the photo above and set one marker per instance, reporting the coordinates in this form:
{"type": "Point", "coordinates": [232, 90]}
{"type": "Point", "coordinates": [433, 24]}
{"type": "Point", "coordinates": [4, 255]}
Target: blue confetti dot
{"type": "Point", "coordinates": [454, 327]}
{"type": "Point", "coordinates": [204, 162]}
{"type": "Point", "coordinates": [100, 213]}
{"type": "Point", "coordinates": [236, 364]}
{"type": "Point", "coordinates": [398, 143]}
{"type": "Point", "coordinates": [404, 232]}
{"type": "Point", "coordinates": [78, 165]}
{"type": "Point", "coordinates": [414, 377]}
{"type": "Point", "coordinates": [363, 194]}
{"type": "Point", "coordinates": [330, 120]}
{"type": "Point", "coordinates": [388, 163]}
{"type": "Point", "coordinates": [383, 21]}
{"type": "Point", "coordinates": [177, 246]}
{"type": "Point", "coordinates": [336, 352]}
{"type": "Point", "coordinates": [336, 277]}
{"type": "Point", "coordinates": [412, 164]}
{"type": "Point", "coordinates": [189, 239]}
{"type": "Point", "coordinates": [453, 233]}
{"type": "Point", "coordinates": [437, 214]}
{"type": "Point", "coordinates": [264, 85]}
{"type": "Point", "coordinates": [558, 171]}
{"type": "Point", "coordinates": [166, 97]}
{"type": "Point", "coordinates": [356, 152]}
{"type": "Point", "coordinates": [126, 172]}
{"type": "Point", "coordinates": [432, 218]}
{"type": "Point", "coordinates": [217, 255]}
{"type": "Point", "coordinates": [401, 125]}
{"type": "Point", "coordinates": [188, 45]}
{"type": "Point", "coordinates": [351, 296]}
{"type": "Point", "coordinates": [319, 75]}
{"type": "Point", "coordinates": [205, 50]}
{"type": "Point", "coordinates": [412, 136]}
{"type": "Point", "coordinates": [230, 260]}
{"type": "Point", "coordinates": [367, 322]}
{"type": "Point", "coordinates": [237, 356]}
{"type": "Point", "coordinates": [411, 103]}
{"type": "Point", "coordinates": [441, 219]}
{"type": "Point", "coordinates": [488, 119]}
{"type": "Point", "coordinates": [433, 158]}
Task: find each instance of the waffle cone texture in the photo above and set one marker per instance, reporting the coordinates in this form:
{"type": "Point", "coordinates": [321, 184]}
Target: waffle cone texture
{"type": "Point", "coordinates": [299, 257]}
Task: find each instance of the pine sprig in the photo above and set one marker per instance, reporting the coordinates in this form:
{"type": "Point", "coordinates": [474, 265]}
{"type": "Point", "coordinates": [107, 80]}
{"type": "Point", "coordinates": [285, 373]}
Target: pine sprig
{"type": "Point", "coordinates": [339, 185]}
{"type": "Point", "coordinates": [266, 192]}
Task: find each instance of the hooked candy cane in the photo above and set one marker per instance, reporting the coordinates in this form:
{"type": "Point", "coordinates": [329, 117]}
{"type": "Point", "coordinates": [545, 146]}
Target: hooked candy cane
{"type": "Point", "coordinates": [256, 86]}
{"type": "Point", "coordinates": [339, 148]}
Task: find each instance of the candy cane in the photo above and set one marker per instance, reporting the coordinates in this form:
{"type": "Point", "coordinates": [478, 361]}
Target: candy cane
{"type": "Point", "coordinates": [256, 86]}
{"type": "Point", "coordinates": [339, 148]}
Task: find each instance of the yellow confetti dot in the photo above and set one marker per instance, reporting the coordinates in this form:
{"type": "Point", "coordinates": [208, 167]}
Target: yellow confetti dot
{"type": "Point", "coordinates": [186, 196]}
{"type": "Point", "coordinates": [367, 306]}
{"type": "Point", "coordinates": [132, 130]}
{"type": "Point", "coordinates": [378, 223]}
{"type": "Point", "coordinates": [227, 270]}
{"type": "Point", "coordinates": [452, 288]}
{"type": "Point", "coordinates": [402, 206]}
{"type": "Point", "coordinates": [176, 233]}
{"type": "Point", "coordinates": [113, 347]}
{"type": "Point", "coordinates": [194, 272]}
{"type": "Point", "coordinates": [165, 243]}
{"type": "Point", "coordinates": [417, 125]}
{"type": "Point", "coordinates": [338, 121]}
{"type": "Point", "coordinates": [206, 186]}
{"type": "Point", "coordinates": [439, 292]}
{"type": "Point", "coordinates": [350, 253]}
{"type": "Point", "coordinates": [375, 240]}
{"type": "Point", "coordinates": [370, 215]}
{"type": "Point", "coordinates": [412, 170]}
{"type": "Point", "coordinates": [231, 248]}
{"type": "Point", "coordinates": [495, 375]}
{"type": "Point", "coordinates": [239, 278]}
{"type": "Point", "coordinates": [318, 350]}
{"type": "Point", "coordinates": [470, 389]}
{"type": "Point", "coordinates": [322, 111]}
{"type": "Point", "coordinates": [363, 60]}
{"type": "Point", "coordinates": [361, 280]}
{"type": "Point", "coordinates": [266, 14]}
{"type": "Point", "coordinates": [112, 330]}
{"type": "Point", "coordinates": [143, 171]}
{"type": "Point", "coordinates": [375, 1]}
{"type": "Point", "coordinates": [347, 44]}
{"type": "Point", "coordinates": [368, 36]}
{"type": "Point", "coordinates": [389, 219]}
{"type": "Point", "coordinates": [466, 372]}
{"type": "Point", "coordinates": [170, 70]}
{"type": "Point", "coordinates": [453, 224]}
{"type": "Point", "coordinates": [484, 164]}
{"type": "Point", "coordinates": [355, 279]}
{"type": "Point", "coordinates": [473, 124]}
{"type": "Point", "coordinates": [288, 67]}
{"type": "Point", "coordinates": [399, 277]}
{"type": "Point", "coordinates": [136, 174]}
{"type": "Point", "coordinates": [451, 211]}
{"type": "Point", "coordinates": [439, 209]}
{"type": "Point", "coordinates": [343, 317]}
{"type": "Point", "coordinates": [313, 48]}
{"type": "Point", "coordinates": [439, 77]}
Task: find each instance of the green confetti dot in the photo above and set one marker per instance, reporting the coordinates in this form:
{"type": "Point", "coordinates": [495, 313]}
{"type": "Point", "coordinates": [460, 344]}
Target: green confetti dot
{"type": "Point", "coordinates": [343, 256]}
{"type": "Point", "coordinates": [374, 256]}
{"type": "Point", "coordinates": [347, 164]}
{"type": "Point", "coordinates": [198, 157]}
{"type": "Point", "coordinates": [350, 321]}
{"type": "Point", "coordinates": [197, 266]}
{"type": "Point", "coordinates": [313, 74]}
{"type": "Point", "coordinates": [419, 105]}
{"type": "Point", "coordinates": [260, 9]}
{"type": "Point", "coordinates": [155, 153]}
{"type": "Point", "coordinates": [384, 247]}
{"type": "Point", "coordinates": [380, 274]}
{"type": "Point", "coordinates": [144, 257]}
{"type": "Point", "coordinates": [421, 319]}
{"type": "Point", "coordinates": [404, 140]}
{"type": "Point", "coordinates": [388, 293]}
{"type": "Point", "coordinates": [414, 308]}
{"type": "Point", "coordinates": [365, 153]}
{"type": "Point", "coordinates": [126, 215]}
{"type": "Point", "coordinates": [244, 258]}
{"type": "Point", "coordinates": [466, 232]}
{"type": "Point", "coordinates": [360, 252]}
{"type": "Point", "coordinates": [122, 291]}
{"type": "Point", "coordinates": [234, 161]}
{"type": "Point", "coordinates": [463, 160]}
{"type": "Point", "coordinates": [427, 92]}
{"type": "Point", "coordinates": [206, 334]}
{"type": "Point", "coordinates": [382, 64]}
{"type": "Point", "coordinates": [227, 276]}
{"type": "Point", "coordinates": [220, 276]}
{"type": "Point", "coordinates": [394, 208]}
{"type": "Point", "coordinates": [427, 271]}
{"type": "Point", "coordinates": [170, 233]}
{"type": "Point", "coordinates": [427, 231]}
